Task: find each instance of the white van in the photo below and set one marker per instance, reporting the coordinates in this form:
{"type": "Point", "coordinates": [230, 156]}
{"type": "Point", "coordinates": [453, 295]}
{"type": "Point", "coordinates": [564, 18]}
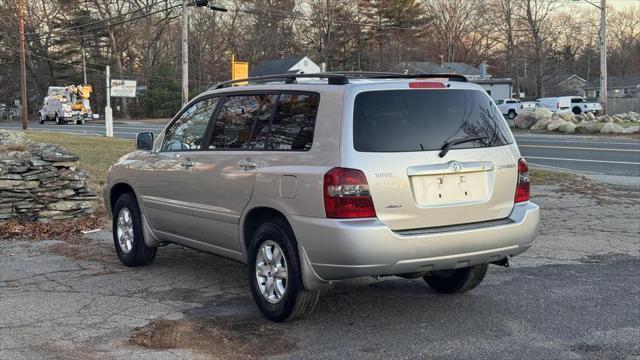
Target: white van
{"type": "Point", "coordinates": [560, 105]}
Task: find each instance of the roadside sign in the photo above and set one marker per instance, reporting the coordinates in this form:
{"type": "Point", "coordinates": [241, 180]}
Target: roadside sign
{"type": "Point", "coordinates": [239, 70]}
{"type": "Point", "coordinates": [123, 88]}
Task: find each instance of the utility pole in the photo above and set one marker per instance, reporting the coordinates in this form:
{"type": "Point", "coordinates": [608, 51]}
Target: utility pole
{"type": "Point", "coordinates": [84, 67]}
{"type": "Point", "coordinates": [185, 53]}
{"type": "Point", "coordinates": [185, 42]}
{"type": "Point", "coordinates": [108, 113]}
{"type": "Point", "coordinates": [23, 69]}
{"type": "Point", "coordinates": [603, 55]}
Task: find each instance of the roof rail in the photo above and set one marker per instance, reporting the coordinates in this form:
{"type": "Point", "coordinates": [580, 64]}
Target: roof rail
{"type": "Point", "coordinates": [392, 75]}
{"type": "Point", "coordinates": [339, 77]}
{"type": "Point", "coordinates": [333, 79]}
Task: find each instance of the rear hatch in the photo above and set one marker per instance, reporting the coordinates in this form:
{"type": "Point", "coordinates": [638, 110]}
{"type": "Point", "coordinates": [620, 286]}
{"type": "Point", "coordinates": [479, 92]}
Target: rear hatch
{"type": "Point", "coordinates": [398, 134]}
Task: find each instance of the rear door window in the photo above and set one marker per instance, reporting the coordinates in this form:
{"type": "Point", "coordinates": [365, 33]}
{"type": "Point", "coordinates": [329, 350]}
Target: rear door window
{"type": "Point", "coordinates": [422, 120]}
{"type": "Point", "coordinates": [241, 121]}
{"type": "Point", "coordinates": [294, 122]}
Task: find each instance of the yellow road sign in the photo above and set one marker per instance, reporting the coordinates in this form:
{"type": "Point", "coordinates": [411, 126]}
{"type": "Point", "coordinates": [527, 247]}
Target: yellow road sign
{"type": "Point", "coordinates": [239, 70]}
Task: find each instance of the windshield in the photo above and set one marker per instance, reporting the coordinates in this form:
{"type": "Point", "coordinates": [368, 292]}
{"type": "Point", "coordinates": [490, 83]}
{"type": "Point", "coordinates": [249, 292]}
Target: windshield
{"type": "Point", "coordinates": [419, 120]}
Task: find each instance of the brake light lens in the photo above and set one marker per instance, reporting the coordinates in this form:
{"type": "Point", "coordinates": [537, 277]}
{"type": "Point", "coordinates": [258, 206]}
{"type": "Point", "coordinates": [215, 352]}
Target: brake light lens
{"type": "Point", "coordinates": [523, 188]}
{"type": "Point", "coordinates": [426, 85]}
{"type": "Point", "coordinates": [557, 105]}
{"type": "Point", "coordinates": [346, 194]}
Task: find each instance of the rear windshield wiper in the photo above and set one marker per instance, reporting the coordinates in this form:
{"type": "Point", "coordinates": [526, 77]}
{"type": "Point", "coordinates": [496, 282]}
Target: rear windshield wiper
{"type": "Point", "coordinates": [449, 144]}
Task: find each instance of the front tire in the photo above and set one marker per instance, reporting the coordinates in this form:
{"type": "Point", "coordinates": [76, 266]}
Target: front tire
{"type": "Point", "coordinates": [128, 237]}
{"type": "Point", "coordinates": [512, 114]}
{"type": "Point", "coordinates": [274, 272]}
{"type": "Point", "coordinates": [577, 110]}
{"type": "Point", "coordinates": [457, 280]}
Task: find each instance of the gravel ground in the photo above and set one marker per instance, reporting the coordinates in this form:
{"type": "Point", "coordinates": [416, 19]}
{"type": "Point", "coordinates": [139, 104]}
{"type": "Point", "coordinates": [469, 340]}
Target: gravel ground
{"type": "Point", "coordinates": [574, 295]}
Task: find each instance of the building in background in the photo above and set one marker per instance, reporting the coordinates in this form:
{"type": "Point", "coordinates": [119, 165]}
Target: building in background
{"type": "Point", "coordinates": [497, 88]}
{"type": "Point", "coordinates": [617, 86]}
{"type": "Point", "coordinates": [290, 65]}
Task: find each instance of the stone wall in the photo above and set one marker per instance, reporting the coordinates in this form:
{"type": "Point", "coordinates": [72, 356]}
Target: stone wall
{"type": "Point", "coordinates": [41, 181]}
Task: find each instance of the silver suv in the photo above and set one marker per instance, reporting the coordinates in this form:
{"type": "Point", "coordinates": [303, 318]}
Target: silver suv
{"type": "Point", "coordinates": [314, 178]}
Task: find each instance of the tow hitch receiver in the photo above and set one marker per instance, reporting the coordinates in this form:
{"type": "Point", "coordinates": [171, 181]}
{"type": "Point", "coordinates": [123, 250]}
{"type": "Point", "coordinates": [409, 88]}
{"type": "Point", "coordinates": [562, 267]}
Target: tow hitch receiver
{"type": "Point", "coordinates": [503, 262]}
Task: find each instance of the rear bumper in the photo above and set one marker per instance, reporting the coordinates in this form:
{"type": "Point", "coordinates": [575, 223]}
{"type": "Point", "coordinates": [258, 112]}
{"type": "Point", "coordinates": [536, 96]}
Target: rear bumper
{"type": "Point", "coordinates": [339, 249]}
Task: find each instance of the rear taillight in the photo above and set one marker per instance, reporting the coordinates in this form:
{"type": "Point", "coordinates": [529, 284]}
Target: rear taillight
{"type": "Point", "coordinates": [557, 105]}
{"type": "Point", "coordinates": [523, 188]}
{"type": "Point", "coordinates": [346, 194]}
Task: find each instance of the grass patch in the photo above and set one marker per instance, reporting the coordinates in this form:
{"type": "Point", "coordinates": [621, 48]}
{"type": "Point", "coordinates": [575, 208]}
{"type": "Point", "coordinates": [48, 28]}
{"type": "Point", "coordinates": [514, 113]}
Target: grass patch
{"type": "Point", "coordinates": [547, 177]}
{"type": "Point", "coordinates": [96, 153]}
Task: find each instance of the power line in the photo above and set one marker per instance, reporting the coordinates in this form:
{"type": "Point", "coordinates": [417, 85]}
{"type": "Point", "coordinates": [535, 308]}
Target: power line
{"type": "Point", "coordinates": [99, 21]}
{"type": "Point", "coordinates": [88, 31]}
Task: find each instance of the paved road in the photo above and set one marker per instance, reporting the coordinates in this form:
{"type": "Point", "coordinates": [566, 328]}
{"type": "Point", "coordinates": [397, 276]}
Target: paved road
{"type": "Point", "coordinates": [586, 154]}
{"type": "Point", "coordinates": [573, 295]}
{"type": "Point", "coordinates": [592, 155]}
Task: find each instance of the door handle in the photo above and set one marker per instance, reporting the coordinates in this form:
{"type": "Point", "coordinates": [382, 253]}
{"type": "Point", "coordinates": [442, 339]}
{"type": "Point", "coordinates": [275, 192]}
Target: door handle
{"type": "Point", "coordinates": [247, 164]}
{"type": "Point", "coordinates": [188, 163]}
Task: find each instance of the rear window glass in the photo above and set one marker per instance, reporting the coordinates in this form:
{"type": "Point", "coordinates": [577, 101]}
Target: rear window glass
{"type": "Point", "coordinates": [421, 120]}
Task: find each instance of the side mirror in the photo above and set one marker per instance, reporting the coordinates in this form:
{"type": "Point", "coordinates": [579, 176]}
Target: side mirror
{"type": "Point", "coordinates": [144, 141]}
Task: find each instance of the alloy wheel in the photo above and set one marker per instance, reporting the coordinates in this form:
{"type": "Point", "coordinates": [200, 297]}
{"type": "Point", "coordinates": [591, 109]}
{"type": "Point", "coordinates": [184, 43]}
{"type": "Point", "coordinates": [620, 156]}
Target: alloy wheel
{"type": "Point", "coordinates": [271, 272]}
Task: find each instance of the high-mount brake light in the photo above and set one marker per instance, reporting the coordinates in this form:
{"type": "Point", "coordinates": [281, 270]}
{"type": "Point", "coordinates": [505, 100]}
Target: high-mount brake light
{"type": "Point", "coordinates": [523, 187]}
{"type": "Point", "coordinates": [426, 85]}
{"type": "Point", "coordinates": [346, 194]}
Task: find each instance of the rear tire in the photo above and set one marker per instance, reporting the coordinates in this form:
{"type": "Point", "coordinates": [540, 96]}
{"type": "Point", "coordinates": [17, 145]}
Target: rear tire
{"type": "Point", "coordinates": [290, 300]}
{"type": "Point", "coordinates": [512, 114]}
{"type": "Point", "coordinates": [457, 280]}
{"type": "Point", "coordinates": [576, 110]}
{"type": "Point", "coordinates": [128, 237]}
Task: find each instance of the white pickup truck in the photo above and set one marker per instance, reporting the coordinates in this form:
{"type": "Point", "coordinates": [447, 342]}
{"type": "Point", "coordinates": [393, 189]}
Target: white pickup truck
{"type": "Point", "coordinates": [565, 104]}
{"type": "Point", "coordinates": [509, 107]}
{"type": "Point", "coordinates": [580, 105]}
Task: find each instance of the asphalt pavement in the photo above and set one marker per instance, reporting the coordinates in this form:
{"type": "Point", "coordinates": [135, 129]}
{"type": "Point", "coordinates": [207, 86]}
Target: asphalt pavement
{"type": "Point", "coordinates": [573, 295]}
{"type": "Point", "coordinates": [591, 155]}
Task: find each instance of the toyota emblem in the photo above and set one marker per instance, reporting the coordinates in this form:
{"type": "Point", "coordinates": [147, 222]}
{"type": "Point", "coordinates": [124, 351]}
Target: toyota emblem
{"type": "Point", "coordinates": [455, 166]}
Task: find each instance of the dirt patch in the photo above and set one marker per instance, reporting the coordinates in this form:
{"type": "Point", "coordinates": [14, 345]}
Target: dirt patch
{"type": "Point", "coordinates": [81, 248]}
{"type": "Point", "coordinates": [222, 338]}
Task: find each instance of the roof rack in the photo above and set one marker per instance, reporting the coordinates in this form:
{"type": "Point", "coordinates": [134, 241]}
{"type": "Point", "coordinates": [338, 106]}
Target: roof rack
{"type": "Point", "coordinates": [339, 77]}
{"type": "Point", "coordinates": [333, 79]}
{"type": "Point", "coordinates": [392, 75]}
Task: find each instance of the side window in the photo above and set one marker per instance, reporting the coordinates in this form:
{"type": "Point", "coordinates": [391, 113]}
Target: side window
{"type": "Point", "coordinates": [242, 122]}
{"type": "Point", "coordinates": [294, 122]}
{"type": "Point", "coordinates": [499, 102]}
{"type": "Point", "coordinates": [187, 132]}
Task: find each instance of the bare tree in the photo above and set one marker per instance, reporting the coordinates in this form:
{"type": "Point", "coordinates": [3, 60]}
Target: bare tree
{"type": "Point", "coordinates": [452, 21]}
{"type": "Point", "coordinates": [536, 15]}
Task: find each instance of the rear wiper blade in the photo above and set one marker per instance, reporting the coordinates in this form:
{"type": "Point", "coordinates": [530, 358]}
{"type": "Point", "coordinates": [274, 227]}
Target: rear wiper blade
{"type": "Point", "coordinates": [449, 144]}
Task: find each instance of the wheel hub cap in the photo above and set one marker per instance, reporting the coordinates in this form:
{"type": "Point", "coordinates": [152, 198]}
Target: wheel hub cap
{"type": "Point", "coordinates": [124, 230]}
{"type": "Point", "coordinates": [271, 272]}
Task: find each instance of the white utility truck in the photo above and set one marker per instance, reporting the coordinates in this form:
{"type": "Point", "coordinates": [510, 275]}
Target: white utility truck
{"type": "Point", "coordinates": [67, 103]}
